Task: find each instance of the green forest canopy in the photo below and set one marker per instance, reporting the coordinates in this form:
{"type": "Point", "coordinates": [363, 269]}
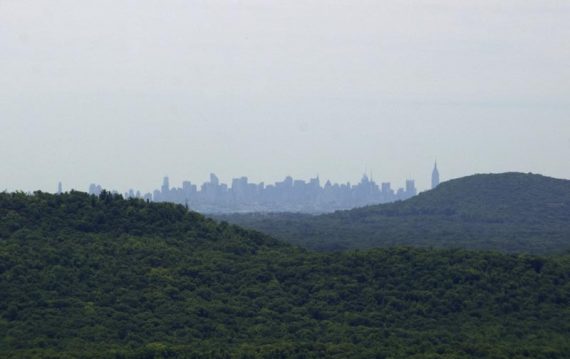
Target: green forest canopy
{"type": "Point", "coordinates": [86, 276]}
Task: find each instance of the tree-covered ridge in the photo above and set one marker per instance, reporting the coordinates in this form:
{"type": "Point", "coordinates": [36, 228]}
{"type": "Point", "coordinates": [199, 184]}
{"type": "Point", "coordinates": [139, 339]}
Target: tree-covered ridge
{"type": "Point", "coordinates": [510, 212]}
{"type": "Point", "coordinates": [493, 197]}
{"type": "Point", "coordinates": [21, 214]}
{"type": "Point", "coordinates": [84, 276]}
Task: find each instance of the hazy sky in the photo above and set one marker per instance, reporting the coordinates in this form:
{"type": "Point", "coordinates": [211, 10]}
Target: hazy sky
{"type": "Point", "coordinates": [122, 93]}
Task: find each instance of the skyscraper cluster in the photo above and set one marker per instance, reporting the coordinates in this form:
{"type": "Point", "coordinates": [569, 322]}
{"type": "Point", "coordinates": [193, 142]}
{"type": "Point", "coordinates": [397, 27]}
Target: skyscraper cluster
{"type": "Point", "coordinates": [289, 195]}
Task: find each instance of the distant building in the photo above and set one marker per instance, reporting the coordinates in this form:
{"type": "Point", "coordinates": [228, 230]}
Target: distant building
{"type": "Point", "coordinates": [214, 180]}
{"type": "Point", "coordinates": [411, 188]}
{"type": "Point", "coordinates": [95, 189]}
{"type": "Point", "coordinates": [59, 188]}
{"type": "Point", "coordinates": [435, 177]}
{"type": "Point", "coordinates": [165, 185]}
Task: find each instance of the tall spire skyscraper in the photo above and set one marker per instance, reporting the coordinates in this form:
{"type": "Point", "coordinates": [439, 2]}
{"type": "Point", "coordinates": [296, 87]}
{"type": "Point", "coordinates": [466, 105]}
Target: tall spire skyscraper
{"type": "Point", "coordinates": [435, 177]}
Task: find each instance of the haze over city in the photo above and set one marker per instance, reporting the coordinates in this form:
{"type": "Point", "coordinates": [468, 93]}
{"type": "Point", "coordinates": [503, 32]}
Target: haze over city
{"type": "Point", "coordinates": [122, 93]}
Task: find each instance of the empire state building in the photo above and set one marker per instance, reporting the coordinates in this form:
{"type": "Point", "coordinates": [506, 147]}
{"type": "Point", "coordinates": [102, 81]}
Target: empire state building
{"type": "Point", "coordinates": [434, 177]}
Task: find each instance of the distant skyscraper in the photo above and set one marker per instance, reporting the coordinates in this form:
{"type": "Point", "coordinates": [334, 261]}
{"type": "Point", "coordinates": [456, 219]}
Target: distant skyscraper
{"type": "Point", "coordinates": [434, 177]}
{"type": "Point", "coordinates": [214, 180]}
{"type": "Point", "coordinates": [95, 189]}
{"type": "Point", "coordinates": [411, 188]}
{"type": "Point", "coordinates": [165, 185]}
{"type": "Point", "coordinates": [59, 188]}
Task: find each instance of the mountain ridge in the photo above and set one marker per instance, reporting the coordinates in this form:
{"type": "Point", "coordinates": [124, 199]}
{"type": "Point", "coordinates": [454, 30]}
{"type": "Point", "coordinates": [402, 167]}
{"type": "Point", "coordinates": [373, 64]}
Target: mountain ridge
{"type": "Point", "coordinates": [512, 212]}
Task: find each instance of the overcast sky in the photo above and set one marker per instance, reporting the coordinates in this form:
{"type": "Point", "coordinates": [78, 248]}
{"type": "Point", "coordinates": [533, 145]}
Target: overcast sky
{"type": "Point", "coordinates": [121, 93]}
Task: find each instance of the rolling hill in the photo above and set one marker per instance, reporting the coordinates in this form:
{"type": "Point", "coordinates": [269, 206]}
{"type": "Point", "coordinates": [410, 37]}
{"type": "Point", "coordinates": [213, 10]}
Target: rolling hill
{"type": "Point", "coordinates": [103, 277]}
{"type": "Point", "coordinates": [510, 212]}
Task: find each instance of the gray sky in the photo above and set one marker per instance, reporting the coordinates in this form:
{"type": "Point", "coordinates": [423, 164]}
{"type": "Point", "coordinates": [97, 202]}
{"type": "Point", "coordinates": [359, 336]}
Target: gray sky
{"type": "Point", "coordinates": [123, 92]}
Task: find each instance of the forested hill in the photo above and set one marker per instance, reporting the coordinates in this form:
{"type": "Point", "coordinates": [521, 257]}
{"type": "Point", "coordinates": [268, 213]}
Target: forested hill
{"type": "Point", "coordinates": [43, 214]}
{"type": "Point", "coordinates": [511, 212]}
{"type": "Point", "coordinates": [516, 197]}
{"type": "Point", "coordinates": [104, 277]}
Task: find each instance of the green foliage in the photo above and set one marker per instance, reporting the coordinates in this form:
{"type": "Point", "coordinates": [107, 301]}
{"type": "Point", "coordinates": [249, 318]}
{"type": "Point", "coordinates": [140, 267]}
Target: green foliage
{"type": "Point", "coordinates": [509, 212]}
{"type": "Point", "coordinates": [91, 277]}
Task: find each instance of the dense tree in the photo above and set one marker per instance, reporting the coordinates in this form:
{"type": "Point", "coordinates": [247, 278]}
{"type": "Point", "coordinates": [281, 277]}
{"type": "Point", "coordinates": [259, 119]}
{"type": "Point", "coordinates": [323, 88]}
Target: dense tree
{"type": "Point", "coordinates": [85, 276]}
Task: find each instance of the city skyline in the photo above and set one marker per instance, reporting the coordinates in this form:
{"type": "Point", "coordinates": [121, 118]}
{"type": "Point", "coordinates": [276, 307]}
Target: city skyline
{"type": "Point", "coordinates": [288, 195]}
{"type": "Point", "coordinates": [61, 185]}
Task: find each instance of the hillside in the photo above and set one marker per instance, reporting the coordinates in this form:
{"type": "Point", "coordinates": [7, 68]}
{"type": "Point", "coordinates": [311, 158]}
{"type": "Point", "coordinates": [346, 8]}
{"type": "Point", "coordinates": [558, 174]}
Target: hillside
{"type": "Point", "coordinates": [90, 277]}
{"type": "Point", "coordinates": [510, 212]}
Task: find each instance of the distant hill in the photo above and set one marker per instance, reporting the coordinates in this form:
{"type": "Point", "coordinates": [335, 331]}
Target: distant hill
{"type": "Point", "coordinates": [103, 277]}
{"type": "Point", "coordinates": [510, 212]}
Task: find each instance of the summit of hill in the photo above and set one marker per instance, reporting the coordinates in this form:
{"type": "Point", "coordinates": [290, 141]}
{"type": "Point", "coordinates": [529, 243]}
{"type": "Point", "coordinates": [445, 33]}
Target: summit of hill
{"type": "Point", "coordinates": [511, 212]}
